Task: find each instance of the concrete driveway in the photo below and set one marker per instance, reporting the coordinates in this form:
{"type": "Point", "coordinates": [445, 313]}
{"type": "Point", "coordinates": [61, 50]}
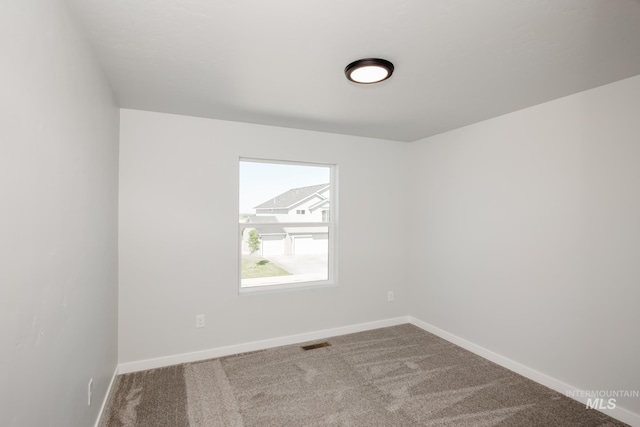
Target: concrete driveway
{"type": "Point", "coordinates": [302, 264]}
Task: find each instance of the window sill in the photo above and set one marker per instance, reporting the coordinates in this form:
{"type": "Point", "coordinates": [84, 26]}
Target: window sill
{"type": "Point", "coordinates": [280, 286]}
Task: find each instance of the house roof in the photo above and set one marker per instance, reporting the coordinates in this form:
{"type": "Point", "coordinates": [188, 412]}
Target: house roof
{"type": "Point", "coordinates": [292, 197]}
{"type": "Point", "coordinates": [270, 228]}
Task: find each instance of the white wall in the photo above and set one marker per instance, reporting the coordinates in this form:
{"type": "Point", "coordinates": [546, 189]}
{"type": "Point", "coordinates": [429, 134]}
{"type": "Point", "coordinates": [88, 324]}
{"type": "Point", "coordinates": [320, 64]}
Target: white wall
{"type": "Point", "coordinates": [58, 227]}
{"type": "Point", "coordinates": [178, 241]}
{"type": "Point", "coordinates": [528, 237]}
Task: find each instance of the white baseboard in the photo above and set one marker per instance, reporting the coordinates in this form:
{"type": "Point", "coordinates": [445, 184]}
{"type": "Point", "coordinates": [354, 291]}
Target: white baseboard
{"type": "Point", "coordinates": [619, 413]}
{"type": "Point", "coordinates": [106, 396]}
{"type": "Point", "coordinates": [213, 353]}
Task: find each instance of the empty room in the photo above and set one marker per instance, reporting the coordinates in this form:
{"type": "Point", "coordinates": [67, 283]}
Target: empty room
{"type": "Point", "coordinates": [319, 213]}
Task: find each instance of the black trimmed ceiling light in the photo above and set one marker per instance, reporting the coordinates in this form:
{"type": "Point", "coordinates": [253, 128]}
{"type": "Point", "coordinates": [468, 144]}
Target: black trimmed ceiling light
{"type": "Point", "coordinates": [369, 70]}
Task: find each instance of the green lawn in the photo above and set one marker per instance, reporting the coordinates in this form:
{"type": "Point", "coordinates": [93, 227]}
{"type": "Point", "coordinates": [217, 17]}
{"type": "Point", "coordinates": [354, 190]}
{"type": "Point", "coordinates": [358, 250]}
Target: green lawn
{"type": "Point", "coordinates": [253, 267]}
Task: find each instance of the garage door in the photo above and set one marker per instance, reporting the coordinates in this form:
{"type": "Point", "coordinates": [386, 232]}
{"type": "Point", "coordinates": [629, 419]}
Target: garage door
{"type": "Point", "coordinates": [272, 246]}
{"type": "Point", "coordinates": [310, 245]}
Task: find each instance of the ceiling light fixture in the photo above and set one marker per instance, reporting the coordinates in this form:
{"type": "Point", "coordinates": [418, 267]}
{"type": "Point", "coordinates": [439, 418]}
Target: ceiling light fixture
{"type": "Point", "coordinates": [370, 70]}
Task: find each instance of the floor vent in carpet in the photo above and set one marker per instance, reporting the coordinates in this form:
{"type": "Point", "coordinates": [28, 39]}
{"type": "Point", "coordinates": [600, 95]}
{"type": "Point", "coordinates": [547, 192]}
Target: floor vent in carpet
{"type": "Point", "coordinates": [314, 346]}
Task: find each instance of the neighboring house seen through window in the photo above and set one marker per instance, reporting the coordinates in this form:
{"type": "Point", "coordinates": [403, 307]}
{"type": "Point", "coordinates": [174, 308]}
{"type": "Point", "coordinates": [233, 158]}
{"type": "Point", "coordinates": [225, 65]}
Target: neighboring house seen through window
{"type": "Point", "coordinates": [286, 236]}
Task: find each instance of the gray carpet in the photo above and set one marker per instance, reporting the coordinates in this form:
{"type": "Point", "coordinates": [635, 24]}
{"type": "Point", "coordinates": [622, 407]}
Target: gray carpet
{"type": "Point", "coordinates": [397, 376]}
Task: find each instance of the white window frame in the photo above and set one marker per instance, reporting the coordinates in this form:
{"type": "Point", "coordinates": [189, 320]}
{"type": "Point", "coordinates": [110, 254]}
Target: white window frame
{"type": "Point", "coordinates": [332, 224]}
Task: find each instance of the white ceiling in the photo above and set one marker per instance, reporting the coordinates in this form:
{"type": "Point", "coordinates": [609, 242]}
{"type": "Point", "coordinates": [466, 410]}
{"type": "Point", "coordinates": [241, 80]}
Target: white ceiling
{"type": "Point", "coordinates": [281, 62]}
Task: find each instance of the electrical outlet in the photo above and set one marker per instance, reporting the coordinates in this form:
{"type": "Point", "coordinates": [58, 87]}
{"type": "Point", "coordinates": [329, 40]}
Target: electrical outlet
{"type": "Point", "coordinates": [390, 296]}
{"type": "Point", "coordinates": [200, 321]}
{"type": "Point", "coordinates": [89, 392]}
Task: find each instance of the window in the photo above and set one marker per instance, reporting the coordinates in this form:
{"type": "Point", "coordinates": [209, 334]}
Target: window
{"type": "Point", "coordinates": [286, 224]}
